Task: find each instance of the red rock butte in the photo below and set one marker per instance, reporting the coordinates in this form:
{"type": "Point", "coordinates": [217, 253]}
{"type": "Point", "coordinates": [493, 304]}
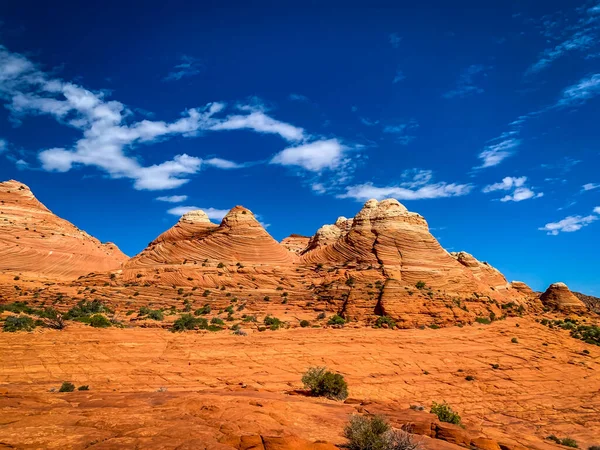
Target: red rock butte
{"type": "Point", "coordinates": [36, 242]}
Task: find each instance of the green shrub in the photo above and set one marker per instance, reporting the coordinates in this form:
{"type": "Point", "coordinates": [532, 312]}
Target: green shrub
{"type": "Point", "coordinates": [189, 322]}
{"type": "Point", "coordinates": [323, 383]}
{"type": "Point", "coordinates": [85, 309]}
{"type": "Point", "coordinates": [336, 320]}
{"type": "Point", "coordinates": [156, 314]}
{"type": "Point", "coordinates": [445, 413]}
{"type": "Point", "coordinates": [22, 323]}
{"type": "Point", "coordinates": [385, 319]}
{"type": "Point", "coordinates": [217, 321]}
{"type": "Point", "coordinates": [206, 309]}
{"type": "Point", "coordinates": [483, 320]}
{"type": "Point", "coordinates": [85, 387]}
{"type": "Point", "coordinates": [514, 340]}
{"type": "Point", "coordinates": [553, 438]}
{"type": "Point", "coordinates": [99, 321]}
{"type": "Point", "coordinates": [420, 285]}
{"type": "Point", "coordinates": [273, 323]}
{"type": "Point", "coordinates": [568, 442]}
{"type": "Point", "coordinates": [374, 433]}
{"type": "Point", "coordinates": [304, 323]}
{"type": "Point", "coordinates": [67, 387]}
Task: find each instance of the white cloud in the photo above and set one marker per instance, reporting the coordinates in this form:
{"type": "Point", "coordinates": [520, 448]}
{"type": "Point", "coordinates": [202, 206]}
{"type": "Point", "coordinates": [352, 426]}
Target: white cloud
{"type": "Point", "coordinates": [590, 186]}
{"type": "Point", "coordinates": [466, 82]}
{"type": "Point", "coordinates": [315, 156]}
{"type": "Point", "coordinates": [222, 163]}
{"type": "Point", "coordinates": [319, 188]}
{"type": "Point", "coordinates": [597, 209]}
{"type": "Point", "coordinates": [109, 133]}
{"type": "Point", "coordinates": [172, 198]}
{"type": "Point", "coordinates": [188, 67]}
{"type": "Point", "coordinates": [416, 185]}
{"type": "Point", "coordinates": [579, 93]}
{"type": "Point", "coordinates": [494, 154]}
{"type": "Point", "coordinates": [395, 39]}
{"type": "Point", "coordinates": [3, 145]}
{"type": "Point", "coordinates": [581, 40]}
{"type": "Point", "coordinates": [519, 193]}
{"type": "Point", "coordinates": [261, 123]}
{"type": "Point", "coordinates": [569, 224]}
{"type": "Point", "coordinates": [212, 213]}
{"type": "Point", "coordinates": [506, 184]}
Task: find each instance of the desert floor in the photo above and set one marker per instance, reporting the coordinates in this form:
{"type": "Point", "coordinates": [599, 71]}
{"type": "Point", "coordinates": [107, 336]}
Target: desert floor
{"type": "Point", "coordinates": [150, 388]}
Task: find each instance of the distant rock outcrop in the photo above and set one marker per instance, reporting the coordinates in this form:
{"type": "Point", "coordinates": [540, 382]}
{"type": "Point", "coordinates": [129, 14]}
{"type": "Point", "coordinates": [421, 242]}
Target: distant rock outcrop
{"type": "Point", "coordinates": [35, 242]}
{"type": "Point", "coordinates": [593, 303]}
{"type": "Point", "coordinates": [559, 297]}
{"type": "Point", "coordinates": [296, 243]}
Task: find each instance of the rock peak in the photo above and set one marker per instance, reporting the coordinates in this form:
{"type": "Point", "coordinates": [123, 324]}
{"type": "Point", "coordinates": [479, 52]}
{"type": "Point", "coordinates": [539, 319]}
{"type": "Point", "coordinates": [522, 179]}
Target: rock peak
{"type": "Point", "coordinates": [239, 215]}
{"type": "Point", "coordinates": [196, 216]}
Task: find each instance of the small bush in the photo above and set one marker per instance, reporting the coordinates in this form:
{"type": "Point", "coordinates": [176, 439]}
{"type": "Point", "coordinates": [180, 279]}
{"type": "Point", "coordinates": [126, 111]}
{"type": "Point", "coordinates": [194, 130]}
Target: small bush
{"type": "Point", "coordinates": [385, 320]}
{"type": "Point", "coordinates": [206, 309]}
{"type": "Point", "coordinates": [273, 323]}
{"type": "Point", "coordinates": [67, 387]}
{"type": "Point", "coordinates": [217, 321]}
{"type": "Point", "coordinates": [483, 320]}
{"type": "Point", "coordinates": [99, 321]}
{"type": "Point", "coordinates": [420, 285]}
{"type": "Point", "coordinates": [188, 322]}
{"type": "Point", "coordinates": [240, 332]}
{"type": "Point", "coordinates": [304, 323]}
{"type": "Point", "coordinates": [22, 323]}
{"type": "Point", "coordinates": [514, 340]}
{"type": "Point", "coordinates": [470, 378]}
{"type": "Point", "coordinates": [336, 320]}
{"type": "Point", "coordinates": [323, 383]}
{"type": "Point", "coordinates": [321, 316]}
{"type": "Point", "coordinates": [568, 442]}
{"type": "Point", "coordinates": [445, 413]}
{"type": "Point", "coordinates": [156, 314]}
{"type": "Point", "coordinates": [85, 387]}
{"type": "Point", "coordinates": [374, 433]}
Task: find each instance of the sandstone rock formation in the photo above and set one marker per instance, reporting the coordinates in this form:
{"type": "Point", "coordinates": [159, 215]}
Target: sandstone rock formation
{"type": "Point", "coordinates": [35, 242]}
{"type": "Point", "coordinates": [559, 297]}
{"type": "Point", "coordinates": [483, 271]}
{"type": "Point", "coordinates": [194, 248]}
{"type": "Point", "coordinates": [296, 243]}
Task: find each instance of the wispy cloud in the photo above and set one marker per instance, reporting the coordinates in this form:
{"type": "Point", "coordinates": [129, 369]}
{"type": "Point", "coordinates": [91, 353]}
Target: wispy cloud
{"type": "Point", "coordinates": [493, 154]}
{"type": "Point", "coordinates": [403, 132]}
{"type": "Point", "coordinates": [187, 67]}
{"type": "Point", "coordinates": [416, 184]}
{"type": "Point", "coordinates": [368, 122]}
{"type": "Point", "coordinates": [466, 84]}
{"type": "Point", "coordinates": [590, 186]}
{"type": "Point", "coordinates": [212, 213]}
{"type": "Point", "coordinates": [3, 145]}
{"type": "Point", "coordinates": [577, 94]}
{"type": "Point", "coordinates": [568, 34]}
{"type": "Point", "coordinates": [299, 98]}
{"type": "Point", "coordinates": [517, 185]}
{"type": "Point", "coordinates": [172, 198]}
{"type": "Point", "coordinates": [109, 133]}
{"type": "Point", "coordinates": [570, 224]}
{"type": "Point", "coordinates": [395, 39]}
{"type": "Point", "coordinates": [399, 76]}
{"type": "Point", "coordinates": [315, 156]}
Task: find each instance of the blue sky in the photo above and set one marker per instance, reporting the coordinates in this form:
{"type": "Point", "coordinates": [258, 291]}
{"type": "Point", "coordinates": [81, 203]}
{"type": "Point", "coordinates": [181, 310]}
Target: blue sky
{"type": "Point", "coordinates": [482, 117]}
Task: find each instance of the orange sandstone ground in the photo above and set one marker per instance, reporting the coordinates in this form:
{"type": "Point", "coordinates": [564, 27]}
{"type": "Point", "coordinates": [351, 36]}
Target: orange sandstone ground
{"type": "Point", "coordinates": [153, 389]}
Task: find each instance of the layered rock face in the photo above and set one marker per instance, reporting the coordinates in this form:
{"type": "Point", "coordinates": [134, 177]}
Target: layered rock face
{"type": "Point", "coordinates": [296, 243]}
{"type": "Point", "coordinates": [488, 275]}
{"type": "Point", "coordinates": [35, 242]}
{"type": "Point", "coordinates": [196, 251]}
{"type": "Point", "coordinates": [559, 297]}
{"type": "Point", "coordinates": [385, 235]}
